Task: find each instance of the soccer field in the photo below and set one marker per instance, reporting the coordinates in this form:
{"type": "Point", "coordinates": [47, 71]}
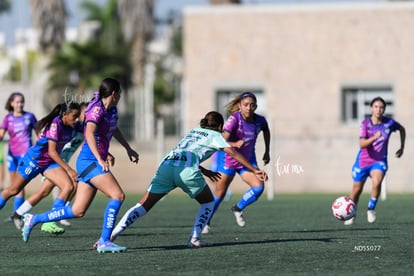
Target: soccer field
{"type": "Point", "coordinates": [291, 235]}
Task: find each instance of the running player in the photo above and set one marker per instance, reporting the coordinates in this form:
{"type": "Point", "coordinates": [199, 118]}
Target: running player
{"type": "Point", "coordinates": [371, 160]}
{"type": "Point", "coordinates": [101, 124]}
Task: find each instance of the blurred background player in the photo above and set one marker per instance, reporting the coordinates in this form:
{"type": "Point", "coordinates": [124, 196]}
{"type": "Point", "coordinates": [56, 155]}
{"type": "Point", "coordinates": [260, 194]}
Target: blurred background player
{"type": "Point", "coordinates": [19, 124]}
{"type": "Point", "coordinates": [371, 160]}
{"type": "Point", "coordinates": [2, 176]}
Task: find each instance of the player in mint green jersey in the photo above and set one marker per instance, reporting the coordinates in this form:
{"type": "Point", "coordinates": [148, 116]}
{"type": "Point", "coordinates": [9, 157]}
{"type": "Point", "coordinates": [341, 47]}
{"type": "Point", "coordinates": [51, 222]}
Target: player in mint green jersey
{"type": "Point", "coordinates": [181, 168]}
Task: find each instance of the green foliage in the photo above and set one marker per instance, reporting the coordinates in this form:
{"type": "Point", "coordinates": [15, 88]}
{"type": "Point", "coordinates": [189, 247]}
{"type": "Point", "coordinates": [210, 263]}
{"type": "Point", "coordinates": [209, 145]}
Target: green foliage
{"type": "Point", "coordinates": [91, 62]}
{"type": "Point", "coordinates": [16, 69]}
{"type": "Point", "coordinates": [80, 67]}
{"type": "Point", "coordinates": [4, 6]}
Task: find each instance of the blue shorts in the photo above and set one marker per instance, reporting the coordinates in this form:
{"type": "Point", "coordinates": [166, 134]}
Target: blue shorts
{"type": "Point", "coordinates": [361, 174]}
{"type": "Point", "coordinates": [232, 171]}
{"type": "Point", "coordinates": [28, 168]}
{"type": "Point", "coordinates": [13, 162]}
{"type": "Point", "coordinates": [168, 177]}
{"type": "Point", "coordinates": [88, 169]}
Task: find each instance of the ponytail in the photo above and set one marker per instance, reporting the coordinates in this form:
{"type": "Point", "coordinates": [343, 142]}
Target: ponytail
{"type": "Point", "coordinates": [57, 111]}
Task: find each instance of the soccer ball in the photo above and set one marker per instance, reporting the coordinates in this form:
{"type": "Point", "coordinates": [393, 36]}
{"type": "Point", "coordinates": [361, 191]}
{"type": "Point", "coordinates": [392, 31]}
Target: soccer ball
{"type": "Point", "coordinates": [343, 208]}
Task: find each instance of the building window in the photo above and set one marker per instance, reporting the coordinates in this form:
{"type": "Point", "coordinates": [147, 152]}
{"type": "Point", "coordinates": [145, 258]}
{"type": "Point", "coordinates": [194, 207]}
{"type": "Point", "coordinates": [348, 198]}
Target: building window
{"type": "Point", "coordinates": [224, 96]}
{"type": "Point", "coordinates": [356, 102]}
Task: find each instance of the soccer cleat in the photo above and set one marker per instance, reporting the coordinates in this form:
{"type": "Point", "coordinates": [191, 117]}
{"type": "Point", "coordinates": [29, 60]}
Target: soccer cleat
{"type": "Point", "coordinates": [27, 227]}
{"type": "Point", "coordinates": [52, 228]}
{"type": "Point", "coordinates": [239, 216]}
{"type": "Point", "coordinates": [206, 229]}
{"type": "Point", "coordinates": [350, 221]}
{"type": "Point", "coordinates": [196, 243]}
{"type": "Point", "coordinates": [371, 216]}
{"type": "Point", "coordinates": [18, 221]}
{"type": "Point", "coordinates": [109, 247]}
{"type": "Point", "coordinates": [65, 222]}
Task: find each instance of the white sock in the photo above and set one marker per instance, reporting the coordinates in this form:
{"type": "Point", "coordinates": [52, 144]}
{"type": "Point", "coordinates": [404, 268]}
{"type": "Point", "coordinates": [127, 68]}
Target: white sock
{"type": "Point", "coordinates": [203, 216]}
{"type": "Point", "coordinates": [129, 218]}
{"type": "Point", "coordinates": [24, 208]}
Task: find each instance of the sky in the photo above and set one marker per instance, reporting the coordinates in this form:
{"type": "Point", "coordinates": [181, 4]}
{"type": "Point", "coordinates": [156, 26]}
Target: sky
{"type": "Point", "coordinates": [19, 17]}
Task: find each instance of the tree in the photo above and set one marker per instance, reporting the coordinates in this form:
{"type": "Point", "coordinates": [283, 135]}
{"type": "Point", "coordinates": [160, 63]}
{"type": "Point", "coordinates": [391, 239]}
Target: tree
{"type": "Point", "coordinates": [80, 67]}
{"type": "Point", "coordinates": [4, 6]}
{"type": "Point", "coordinates": [137, 26]}
{"type": "Point", "coordinates": [49, 18]}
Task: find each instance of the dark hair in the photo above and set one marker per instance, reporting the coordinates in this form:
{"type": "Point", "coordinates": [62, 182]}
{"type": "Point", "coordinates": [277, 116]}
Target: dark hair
{"type": "Point", "coordinates": [107, 86]}
{"type": "Point", "coordinates": [233, 105]}
{"type": "Point", "coordinates": [57, 111]}
{"type": "Point", "coordinates": [13, 95]}
{"type": "Point", "coordinates": [378, 99]}
{"type": "Point", "coordinates": [212, 120]}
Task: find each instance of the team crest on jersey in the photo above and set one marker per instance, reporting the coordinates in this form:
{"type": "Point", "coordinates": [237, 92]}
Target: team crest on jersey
{"type": "Point", "coordinates": [53, 129]}
{"type": "Point", "coordinates": [95, 112]}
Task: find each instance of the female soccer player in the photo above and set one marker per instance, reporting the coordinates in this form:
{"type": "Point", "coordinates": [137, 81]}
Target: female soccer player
{"type": "Point", "coordinates": [371, 160]}
{"type": "Point", "coordinates": [240, 131]}
{"type": "Point", "coordinates": [20, 125]}
{"type": "Point", "coordinates": [56, 129]}
{"type": "Point", "coordinates": [181, 168]}
{"type": "Point", "coordinates": [47, 186]}
{"type": "Point", "coordinates": [101, 123]}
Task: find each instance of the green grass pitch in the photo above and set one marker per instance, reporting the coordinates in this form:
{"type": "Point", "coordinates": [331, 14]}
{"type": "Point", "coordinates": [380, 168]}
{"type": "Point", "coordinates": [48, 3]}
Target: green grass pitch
{"type": "Point", "coordinates": [291, 235]}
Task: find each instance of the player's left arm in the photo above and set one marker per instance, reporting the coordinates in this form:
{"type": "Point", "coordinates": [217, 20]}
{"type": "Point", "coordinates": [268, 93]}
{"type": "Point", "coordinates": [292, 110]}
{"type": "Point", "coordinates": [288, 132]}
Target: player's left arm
{"type": "Point", "coordinates": [266, 137]}
{"type": "Point", "coordinates": [132, 154]}
{"type": "Point", "coordinates": [400, 151]}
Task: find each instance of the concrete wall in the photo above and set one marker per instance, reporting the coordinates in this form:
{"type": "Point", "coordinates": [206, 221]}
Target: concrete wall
{"type": "Point", "coordinates": [301, 56]}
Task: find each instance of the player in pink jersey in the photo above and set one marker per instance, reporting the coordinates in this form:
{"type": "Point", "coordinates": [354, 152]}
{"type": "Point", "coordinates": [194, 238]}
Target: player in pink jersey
{"type": "Point", "coordinates": [19, 124]}
{"type": "Point", "coordinates": [371, 160]}
{"type": "Point", "coordinates": [240, 131]}
{"type": "Point", "coordinates": [101, 124]}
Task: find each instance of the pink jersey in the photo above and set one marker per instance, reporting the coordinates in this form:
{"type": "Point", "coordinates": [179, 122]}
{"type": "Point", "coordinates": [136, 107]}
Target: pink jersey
{"type": "Point", "coordinates": [106, 122]}
{"type": "Point", "coordinates": [240, 129]}
{"type": "Point", "coordinates": [20, 131]}
{"type": "Point", "coordinates": [378, 150]}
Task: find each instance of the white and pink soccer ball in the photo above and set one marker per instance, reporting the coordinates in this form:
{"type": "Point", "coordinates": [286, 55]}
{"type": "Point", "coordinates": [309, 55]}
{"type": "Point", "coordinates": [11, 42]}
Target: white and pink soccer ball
{"type": "Point", "coordinates": [343, 208]}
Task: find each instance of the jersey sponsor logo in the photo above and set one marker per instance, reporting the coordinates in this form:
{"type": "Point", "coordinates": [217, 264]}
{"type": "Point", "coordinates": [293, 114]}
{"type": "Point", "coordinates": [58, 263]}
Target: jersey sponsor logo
{"type": "Point", "coordinates": [176, 157]}
{"type": "Point", "coordinates": [28, 171]}
{"type": "Point", "coordinates": [56, 214]}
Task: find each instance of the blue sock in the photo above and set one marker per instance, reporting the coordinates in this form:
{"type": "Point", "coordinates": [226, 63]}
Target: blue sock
{"type": "Point", "coordinates": [217, 202]}
{"type": "Point", "coordinates": [2, 201]}
{"type": "Point", "coordinates": [54, 215]}
{"type": "Point", "coordinates": [18, 201]}
{"type": "Point", "coordinates": [58, 203]}
{"type": "Point", "coordinates": [372, 203]}
{"type": "Point", "coordinates": [110, 214]}
{"type": "Point", "coordinates": [249, 197]}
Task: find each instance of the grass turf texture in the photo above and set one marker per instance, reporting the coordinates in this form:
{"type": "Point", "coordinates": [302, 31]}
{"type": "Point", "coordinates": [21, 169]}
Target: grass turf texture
{"type": "Point", "coordinates": [291, 235]}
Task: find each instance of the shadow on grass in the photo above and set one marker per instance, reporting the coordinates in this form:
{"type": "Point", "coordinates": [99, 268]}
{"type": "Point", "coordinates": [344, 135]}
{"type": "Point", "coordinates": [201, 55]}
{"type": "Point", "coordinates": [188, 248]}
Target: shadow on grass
{"type": "Point", "coordinates": [236, 243]}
